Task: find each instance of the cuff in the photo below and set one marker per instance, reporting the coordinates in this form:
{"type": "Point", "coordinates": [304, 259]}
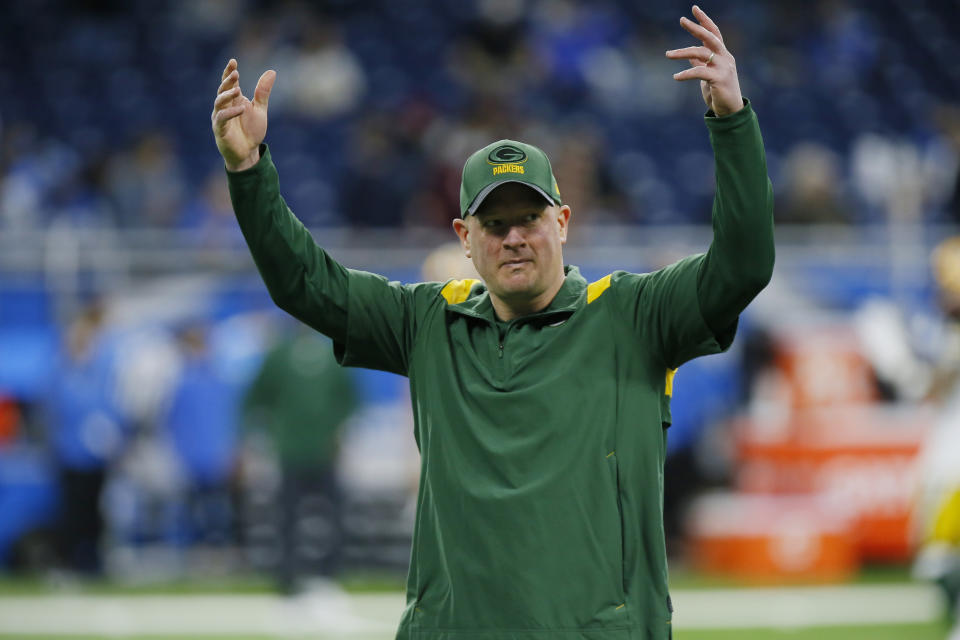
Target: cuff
{"type": "Point", "coordinates": [731, 121]}
{"type": "Point", "coordinates": [256, 171]}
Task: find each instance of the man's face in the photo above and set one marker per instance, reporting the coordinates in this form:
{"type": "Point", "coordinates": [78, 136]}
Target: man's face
{"type": "Point", "coordinates": [515, 241]}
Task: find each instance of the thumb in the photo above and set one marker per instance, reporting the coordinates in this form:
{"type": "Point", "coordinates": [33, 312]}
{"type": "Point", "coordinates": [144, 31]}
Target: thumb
{"type": "Point", "coordinates": [261, 95]}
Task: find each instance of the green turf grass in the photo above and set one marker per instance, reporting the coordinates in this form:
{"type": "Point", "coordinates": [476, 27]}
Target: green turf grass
{"type": "Point", "coordinates": [363, 582]}
{"type": "Point", "coordinates": [884, 632]}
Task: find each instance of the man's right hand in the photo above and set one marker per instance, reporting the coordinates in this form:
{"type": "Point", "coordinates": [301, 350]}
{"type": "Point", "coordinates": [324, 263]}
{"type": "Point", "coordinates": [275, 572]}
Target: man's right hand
{"type": "Point", "coordinates": [240, 125]}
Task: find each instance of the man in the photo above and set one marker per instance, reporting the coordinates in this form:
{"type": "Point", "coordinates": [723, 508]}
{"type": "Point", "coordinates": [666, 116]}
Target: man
{"type": "Point", "coordinates": [300, 399]}
{"type": "Point", "coordinates": [86, 432]}
{"type": "Point", "coordinates": [937, 509]}
{"type": "Point", "coordinates": [539, 399]}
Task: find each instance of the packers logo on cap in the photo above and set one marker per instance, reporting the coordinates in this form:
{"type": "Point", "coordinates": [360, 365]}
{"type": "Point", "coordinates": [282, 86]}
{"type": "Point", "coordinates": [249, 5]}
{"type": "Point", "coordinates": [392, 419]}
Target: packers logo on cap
{"type": "Point", "coordinates": [505, 161]}
{"type": "Point", "coordinates": [507, 154]}
{"type": "Point", "coordinates": [507, 158]}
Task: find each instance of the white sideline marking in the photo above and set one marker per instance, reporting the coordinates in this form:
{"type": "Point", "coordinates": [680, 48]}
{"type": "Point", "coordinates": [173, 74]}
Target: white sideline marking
{"type": "Point", "coordinates": [375, 616]}
{"type": "Point", "coordinates": [790, 607]}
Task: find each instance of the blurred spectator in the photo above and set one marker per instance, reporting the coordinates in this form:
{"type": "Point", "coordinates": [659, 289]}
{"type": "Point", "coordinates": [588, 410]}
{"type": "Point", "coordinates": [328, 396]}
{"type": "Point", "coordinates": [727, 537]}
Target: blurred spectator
{"type": "Point", "coordinates": [382, 170]}
{"type": "Point", "coordinates": [209, 215]}
{"type": "Point", "coordinates": [146, 182]}
{"type": "Point", "coordinates": [845, 45]}
{"type": "Point", "coordinates": [33, 169]}
{"type": "Point", "coordinates": [325, 78]}
{"type": "Point", "coordinates": [446, 143]}
{"type": "Point", "coordinates": [812, 187]}
{"type": "Point", "coordinates": [210, 17]}
{"type": "Point", "coordinates": [568, 37]}
{"type": "Point", "coordinates": [78, 201]}
{"type": "Point", "coordinates": [448, 261]}
{"type": "Point", "coordinates": [888, 175]}
{"type": "Point", "coordinates": [918, 358]}
{"type": "Point", "coordinates": [583, 173]}
{"type": "Point", "coordinates": [257, 46]}
{"type": "Point", "coordinates": [938, 559]}
{"type": "Point", "coordinates": [300, 400]}
{"type": "Point", "coordinates": [492, 57]}
{"type": "Point", "coordinates": [943, 162]}
{"type": "Point", "coordinates": [86, 433]}
{"type": "Point", "coordinates": [201, 425]}
{"type": "Point", "coordinates": [827, 73]}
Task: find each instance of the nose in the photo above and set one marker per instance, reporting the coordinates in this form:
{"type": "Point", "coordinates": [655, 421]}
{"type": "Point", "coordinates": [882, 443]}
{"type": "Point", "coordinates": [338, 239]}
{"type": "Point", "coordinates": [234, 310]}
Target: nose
{"type": "Point", "coordinates": [514, 237]}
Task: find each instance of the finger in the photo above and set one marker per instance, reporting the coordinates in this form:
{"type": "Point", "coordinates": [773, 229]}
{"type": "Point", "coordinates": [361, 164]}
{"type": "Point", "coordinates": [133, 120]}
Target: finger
{"type": "Point", "coordinates": [705, 20]}
{"type": "Point", "coordinates": [712, 41]}
{"type": "Point", "coordinates": [229, 82]}
{"type": "Point", "coordinates": [699, 53]}
{"type": "Point", "coordinates": [697, 72]}
{"type": "Point", "coordinates": [261, 95]}
{"type": "Point", "coordinates": [225, 98]}
{"type": "Point", "coordinates": [231, 65]}
{"type": "Point", "coordinates": [220, 118]}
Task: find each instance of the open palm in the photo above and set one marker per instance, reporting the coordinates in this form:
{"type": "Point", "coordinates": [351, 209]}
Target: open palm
{"type": "Point", "coordinates": [240, 124]}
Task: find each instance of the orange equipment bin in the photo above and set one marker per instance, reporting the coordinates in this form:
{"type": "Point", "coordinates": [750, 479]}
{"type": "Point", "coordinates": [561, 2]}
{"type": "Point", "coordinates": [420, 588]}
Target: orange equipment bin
{"type": "Point", "coordinates": [860, 458]}
{"type": "Point", "coordinates": [772, 538]}
{"type": "Point", "coordinates": [815, 426]}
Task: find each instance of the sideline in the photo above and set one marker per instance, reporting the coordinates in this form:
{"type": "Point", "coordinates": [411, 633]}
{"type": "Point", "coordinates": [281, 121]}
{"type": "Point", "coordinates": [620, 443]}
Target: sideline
{"type": "Point", "coordinates": [374, 616]}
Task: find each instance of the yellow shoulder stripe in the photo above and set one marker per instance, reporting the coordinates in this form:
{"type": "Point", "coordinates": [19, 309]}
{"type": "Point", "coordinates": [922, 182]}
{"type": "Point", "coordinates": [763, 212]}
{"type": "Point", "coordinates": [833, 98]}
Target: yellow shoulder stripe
{"type": "Point", "coordinates": [456, 291]}
{"type": "Point", "coordinates": [668, 387]}
{"type": "Point", "coordinates": [596, 289]}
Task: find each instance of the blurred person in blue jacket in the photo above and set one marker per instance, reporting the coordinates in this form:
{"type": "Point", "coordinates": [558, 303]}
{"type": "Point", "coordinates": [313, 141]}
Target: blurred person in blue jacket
{"type": "Point", "coordinates": [300, 399]}
{"type": "Point", "coordinates": [86, 432]}
{"type": "Point", "coordinates": [200, 422]}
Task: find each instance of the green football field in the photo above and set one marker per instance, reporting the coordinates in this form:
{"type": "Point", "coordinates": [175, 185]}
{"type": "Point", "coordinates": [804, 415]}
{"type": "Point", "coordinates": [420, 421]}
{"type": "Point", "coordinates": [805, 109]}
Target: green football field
{"type": "Point", "coordinates": [881, 605]}
{"type": "Point", "coordinates": [932, 631]}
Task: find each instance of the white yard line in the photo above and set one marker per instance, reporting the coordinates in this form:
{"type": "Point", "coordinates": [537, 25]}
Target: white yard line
{"type": "Point", "coordinates": [805, 606]}
{"type": "Point", "coordinates": [374, 616]}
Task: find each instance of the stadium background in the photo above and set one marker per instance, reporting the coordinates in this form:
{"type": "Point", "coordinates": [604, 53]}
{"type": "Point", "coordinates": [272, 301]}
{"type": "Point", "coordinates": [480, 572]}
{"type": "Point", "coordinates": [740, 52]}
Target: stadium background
{"type": "Point", "coordinates": [801, 441]}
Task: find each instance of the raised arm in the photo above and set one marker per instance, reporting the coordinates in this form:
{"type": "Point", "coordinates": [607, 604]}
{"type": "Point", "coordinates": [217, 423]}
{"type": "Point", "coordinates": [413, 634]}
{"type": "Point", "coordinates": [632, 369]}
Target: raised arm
{"type": "Point", "coordinates": [368, 318]}
{"type": "Point", "coordinates": [301, 278]}
{"type": "Point", "coordinates": [740, 260]}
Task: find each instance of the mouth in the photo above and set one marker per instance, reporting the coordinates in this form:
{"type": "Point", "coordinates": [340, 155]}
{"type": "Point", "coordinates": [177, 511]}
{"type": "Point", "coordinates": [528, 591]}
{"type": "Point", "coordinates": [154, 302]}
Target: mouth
{"type": "Point", "coordinates": [515, 263]}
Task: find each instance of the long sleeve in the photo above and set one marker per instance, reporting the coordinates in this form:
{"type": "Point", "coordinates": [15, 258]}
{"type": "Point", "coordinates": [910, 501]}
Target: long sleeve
{"type": "Point", "coordinates": [690, 308]}
{"type": "Point", "coordinates": [740, 260]}
{"type": "Point", "coordinates": [371, 320]}
{"type": "Point", "coordinates": [301, 277]}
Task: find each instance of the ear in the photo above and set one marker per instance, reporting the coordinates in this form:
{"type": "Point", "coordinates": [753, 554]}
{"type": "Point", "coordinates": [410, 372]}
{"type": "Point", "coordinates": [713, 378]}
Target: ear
{"type": "Point", "coordinates": [463, 232]}
{"type": "Point", "coordinates": [563, 219]}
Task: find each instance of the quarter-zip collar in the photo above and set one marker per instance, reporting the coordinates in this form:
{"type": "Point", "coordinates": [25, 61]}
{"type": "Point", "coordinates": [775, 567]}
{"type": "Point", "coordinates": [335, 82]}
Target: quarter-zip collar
{"type": "Point", "coordinates": [569, 298]}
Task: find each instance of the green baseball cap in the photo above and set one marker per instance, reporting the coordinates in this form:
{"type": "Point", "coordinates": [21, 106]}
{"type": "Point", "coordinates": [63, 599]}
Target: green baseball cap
{"type": "Point", "coordinates": [501, 162]}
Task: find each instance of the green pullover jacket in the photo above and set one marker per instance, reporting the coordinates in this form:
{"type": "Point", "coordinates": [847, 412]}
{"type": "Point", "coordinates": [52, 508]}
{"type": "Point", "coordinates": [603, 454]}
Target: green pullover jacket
{"type": "Point", "coordinates": [542, 440]}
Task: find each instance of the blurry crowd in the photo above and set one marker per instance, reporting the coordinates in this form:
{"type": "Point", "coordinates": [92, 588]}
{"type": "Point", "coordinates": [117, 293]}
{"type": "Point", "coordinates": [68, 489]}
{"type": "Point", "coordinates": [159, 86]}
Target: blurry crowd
{"type": "Point", "coordinates": [105, 122]}
{"type": "Point", "coordinates": [151, 447]}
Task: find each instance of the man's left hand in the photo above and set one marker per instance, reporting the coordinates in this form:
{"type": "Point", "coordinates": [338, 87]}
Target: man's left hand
{"type": "Point", "coordinates": [711, 63]}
